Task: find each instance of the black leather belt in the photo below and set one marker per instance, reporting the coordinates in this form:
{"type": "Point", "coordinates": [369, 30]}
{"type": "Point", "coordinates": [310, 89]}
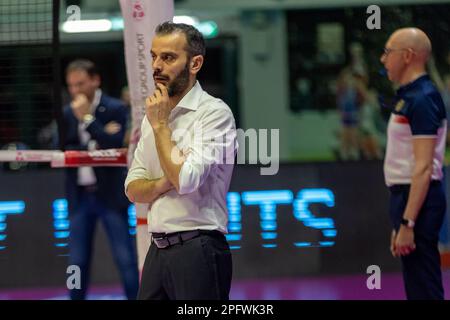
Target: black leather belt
{"type": "Point", "coordinates": [164, 240]}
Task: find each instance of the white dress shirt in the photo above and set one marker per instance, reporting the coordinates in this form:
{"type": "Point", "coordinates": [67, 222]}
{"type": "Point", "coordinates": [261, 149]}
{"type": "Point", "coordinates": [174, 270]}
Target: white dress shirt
{"type": "Point", "coordinates": [86, 175]}
{"type": "Point", "coordinates": [204, 129]}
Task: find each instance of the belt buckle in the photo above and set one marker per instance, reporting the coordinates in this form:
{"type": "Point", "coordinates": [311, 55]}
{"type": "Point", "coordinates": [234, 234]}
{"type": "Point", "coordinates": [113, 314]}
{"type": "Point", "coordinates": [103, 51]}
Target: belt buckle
{"type": "Point", "coordinates": [159, 242]}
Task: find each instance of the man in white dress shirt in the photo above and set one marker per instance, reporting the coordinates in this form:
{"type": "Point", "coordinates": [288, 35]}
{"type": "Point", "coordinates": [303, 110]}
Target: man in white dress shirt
{"type": "Point", "coordinates": [182, 167]}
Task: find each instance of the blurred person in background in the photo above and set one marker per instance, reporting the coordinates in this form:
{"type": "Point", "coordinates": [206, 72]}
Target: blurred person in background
{"type": "Point", "coordinates": [349, 98]}
{"type": "Point", "coordinates": [92, 121]}
{"type": "Point", "coordinates": [371, 122]}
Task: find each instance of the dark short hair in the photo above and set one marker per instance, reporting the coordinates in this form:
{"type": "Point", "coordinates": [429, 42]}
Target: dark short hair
{"type": "Point", "coordinates": [83, 64]}
{"type": "Point", "coordinates": [194, 39]}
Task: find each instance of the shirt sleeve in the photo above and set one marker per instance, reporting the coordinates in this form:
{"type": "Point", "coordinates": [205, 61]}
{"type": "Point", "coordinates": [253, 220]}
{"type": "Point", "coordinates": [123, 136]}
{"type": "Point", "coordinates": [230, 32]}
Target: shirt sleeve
{"type": "Point", "coordinates": [213, 143]}
{"type": "Point", "coordinates": [137, 169]}
{"type": "Point", "coordinates": [424, 117]}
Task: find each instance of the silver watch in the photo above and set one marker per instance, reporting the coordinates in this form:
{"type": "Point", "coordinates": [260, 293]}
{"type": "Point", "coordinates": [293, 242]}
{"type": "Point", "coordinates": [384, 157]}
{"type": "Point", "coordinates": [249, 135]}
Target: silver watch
{"type": "Point", "coordinates": [88, 118]}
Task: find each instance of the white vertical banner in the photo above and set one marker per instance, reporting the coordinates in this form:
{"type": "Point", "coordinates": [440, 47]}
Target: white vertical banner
{"type": "Point", "coordinates": [140, 20]}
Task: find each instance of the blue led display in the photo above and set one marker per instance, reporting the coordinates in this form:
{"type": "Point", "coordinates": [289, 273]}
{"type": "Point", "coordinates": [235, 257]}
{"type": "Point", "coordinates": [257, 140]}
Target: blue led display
{"type": "Point", "coordinates": [61, 223]}
{"type": "Point", "coordinates": [306, 197]}
{"type": "Point", "coordinates": [8, 208]}
{"type": "Point", "coordinates": [266, 200]}
{"type": "Point", "coordinates": [132, 219]}
{"type": "Point", "coordinates": [234, 219]}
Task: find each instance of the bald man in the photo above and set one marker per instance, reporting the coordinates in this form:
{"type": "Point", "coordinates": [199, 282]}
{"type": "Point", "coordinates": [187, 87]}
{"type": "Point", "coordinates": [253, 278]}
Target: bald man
{"type": "Point", "coordinates": [413, 163]}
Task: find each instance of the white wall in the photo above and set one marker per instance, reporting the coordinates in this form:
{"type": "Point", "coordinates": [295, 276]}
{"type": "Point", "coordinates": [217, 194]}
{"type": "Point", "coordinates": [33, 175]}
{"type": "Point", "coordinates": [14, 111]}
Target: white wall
{"type": "Point", "coordinates": [264, 77]}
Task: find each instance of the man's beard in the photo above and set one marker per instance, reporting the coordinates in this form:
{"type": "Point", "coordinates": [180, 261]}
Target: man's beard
{"type": "Point", "coordinates": [179, 84]}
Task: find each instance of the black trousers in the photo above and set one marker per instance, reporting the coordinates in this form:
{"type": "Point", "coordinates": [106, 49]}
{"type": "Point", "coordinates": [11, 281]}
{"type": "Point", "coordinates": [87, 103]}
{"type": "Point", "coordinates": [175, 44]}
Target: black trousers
{"type": "Point", "coordinates": [197, 269]}
{"type": "Point", "coordinates": [422, 268]}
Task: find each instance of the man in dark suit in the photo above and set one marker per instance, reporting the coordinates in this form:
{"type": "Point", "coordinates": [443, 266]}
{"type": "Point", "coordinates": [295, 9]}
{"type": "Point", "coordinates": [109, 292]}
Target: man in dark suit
{"type": "Point", "coordinates": [92, 121]}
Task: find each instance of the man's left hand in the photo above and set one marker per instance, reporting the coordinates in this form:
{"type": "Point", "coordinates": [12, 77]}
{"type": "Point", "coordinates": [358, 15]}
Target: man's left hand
{"type": "Point", "coordinates": [404, 243]}
{"type": "Point", "coordinates": [112, 127]}
{"type": "Point", "coordinates": [157, 107]}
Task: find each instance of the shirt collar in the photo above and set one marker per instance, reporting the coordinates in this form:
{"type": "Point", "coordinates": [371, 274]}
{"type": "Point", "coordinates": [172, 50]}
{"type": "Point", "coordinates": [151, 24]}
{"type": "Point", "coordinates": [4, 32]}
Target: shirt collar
{"type": "Point", "coordinates": [407, 87]}
{"type": "Point", "coordinates": [96, 100]}
{"type": "Point", "coordinates": [192, 98]}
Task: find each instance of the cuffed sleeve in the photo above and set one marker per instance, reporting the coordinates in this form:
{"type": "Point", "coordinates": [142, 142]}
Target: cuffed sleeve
{"type": "Point", "coordinates": [213, 143]}
{"type": "Point", "coordinates": [137, 169]}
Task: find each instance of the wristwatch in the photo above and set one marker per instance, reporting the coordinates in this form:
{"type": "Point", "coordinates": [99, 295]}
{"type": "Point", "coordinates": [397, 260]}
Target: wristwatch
{"type": "Point", "coordinates": [408, 223]}
{"type": "Point", "coordinates": [88, 119]}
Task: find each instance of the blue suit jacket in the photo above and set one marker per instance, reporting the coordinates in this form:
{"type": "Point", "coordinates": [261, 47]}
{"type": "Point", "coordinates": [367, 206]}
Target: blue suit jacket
{"type": "Point", "coordinates": [110, 180]}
